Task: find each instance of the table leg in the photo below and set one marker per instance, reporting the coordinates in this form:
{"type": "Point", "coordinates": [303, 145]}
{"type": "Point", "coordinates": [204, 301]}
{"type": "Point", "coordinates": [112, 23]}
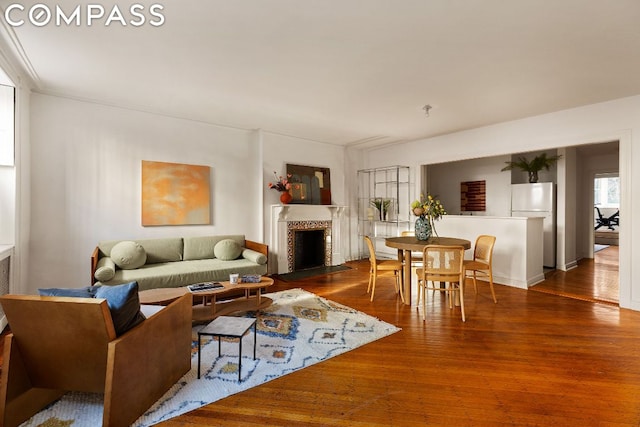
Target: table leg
{"type": "Point", "coordinates": [240, 360]}
{"type": "Point", "coordinates": [213, 302]}
{"type": "Point", "coordinates": [405, 256]}
{"type": "Point", "coordinates": [199, 345]}
{"type": "Point", "coordinates": [255, 336]}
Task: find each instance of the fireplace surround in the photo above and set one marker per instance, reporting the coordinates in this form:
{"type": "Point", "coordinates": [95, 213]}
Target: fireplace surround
{"type": "Point", "coordinates": [288, 220]}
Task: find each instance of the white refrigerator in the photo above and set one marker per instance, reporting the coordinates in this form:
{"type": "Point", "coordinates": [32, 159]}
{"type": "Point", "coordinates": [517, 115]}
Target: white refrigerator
{"type": "Point", "coordinates": [538, 200]}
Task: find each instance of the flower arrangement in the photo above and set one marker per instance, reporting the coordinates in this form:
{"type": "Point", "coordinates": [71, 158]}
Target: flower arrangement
{"type": "Point", "coordinates": [281, 183]}
{"type": "Point", "coordinates": [430, 209]}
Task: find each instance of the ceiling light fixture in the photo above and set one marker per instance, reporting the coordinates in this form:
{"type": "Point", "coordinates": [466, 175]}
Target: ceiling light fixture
{"type": "Point", "coordinates": [426, 109]}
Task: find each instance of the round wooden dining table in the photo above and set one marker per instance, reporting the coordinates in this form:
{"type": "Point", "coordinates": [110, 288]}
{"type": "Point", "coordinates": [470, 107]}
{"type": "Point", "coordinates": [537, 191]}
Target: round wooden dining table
{"type": "Point", "coordinates": [406, 244]}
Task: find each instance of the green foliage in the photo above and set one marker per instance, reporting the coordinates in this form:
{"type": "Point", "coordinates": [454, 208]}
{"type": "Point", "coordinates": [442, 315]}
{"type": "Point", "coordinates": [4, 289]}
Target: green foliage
{"type": "Point", "coordinates": [430, 207]}
{"type": "Point", "coordinates": [537, 164]}
{"type": "Point", "coordinates": [381, 204]}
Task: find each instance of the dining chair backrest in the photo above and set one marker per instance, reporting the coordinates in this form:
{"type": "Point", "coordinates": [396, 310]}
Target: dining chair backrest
{"type": "Point", "coordinates": [408, 233]}
{"type": "Point", "coordinates": [443, 263]}
{"type": "Point", "coordinates": [372, 251]}
{"type": "Point", "coordinates": [483, 250]}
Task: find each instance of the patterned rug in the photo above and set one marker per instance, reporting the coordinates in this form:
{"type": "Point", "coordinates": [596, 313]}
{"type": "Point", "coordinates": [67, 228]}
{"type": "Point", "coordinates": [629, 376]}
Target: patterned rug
{"type": "Point", "coordinates": [298, 330]}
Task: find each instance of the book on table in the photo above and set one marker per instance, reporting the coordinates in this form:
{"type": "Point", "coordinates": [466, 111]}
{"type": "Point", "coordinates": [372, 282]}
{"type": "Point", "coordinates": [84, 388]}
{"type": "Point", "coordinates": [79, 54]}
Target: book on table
{"type": "Point", "coordinates": [204, 286]}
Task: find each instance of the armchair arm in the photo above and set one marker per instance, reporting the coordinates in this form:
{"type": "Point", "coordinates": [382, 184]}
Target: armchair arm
{"type": "Point", "coordinates": [146, 361]}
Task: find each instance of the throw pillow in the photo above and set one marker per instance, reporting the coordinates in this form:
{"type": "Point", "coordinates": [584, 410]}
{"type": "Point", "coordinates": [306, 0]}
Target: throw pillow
{"type": "Point", "coordinates": [227, 250]}
{"type": "Point", "coordinates": [105, 269]}
{"type": "Point", "coordinates": [128, 255]}
{"type": "Point", "coordinates": [124, 305]}
{"type": "Point", "coordinates": [255, 256]}
{"type": "Point", "coordinates": [88, 292]}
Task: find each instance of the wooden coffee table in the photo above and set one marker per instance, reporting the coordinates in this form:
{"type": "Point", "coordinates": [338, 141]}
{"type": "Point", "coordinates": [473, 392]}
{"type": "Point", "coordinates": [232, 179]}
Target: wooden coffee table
{"type": "Point", "coordinates": [211, 307]}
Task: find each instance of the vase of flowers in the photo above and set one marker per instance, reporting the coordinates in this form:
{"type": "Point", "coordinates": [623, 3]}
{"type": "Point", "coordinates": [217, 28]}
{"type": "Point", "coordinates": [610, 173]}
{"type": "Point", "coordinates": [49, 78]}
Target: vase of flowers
{"type": "Point", "coordinates": [422, 228]}
{"type": "Point", "coordinates": [427, 211]}
{"type": "Point", "coordinates": [282, 185]}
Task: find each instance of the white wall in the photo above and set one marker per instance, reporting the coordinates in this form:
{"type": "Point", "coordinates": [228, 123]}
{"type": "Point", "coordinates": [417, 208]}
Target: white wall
{"type": "Point", "coordinates": [444, 180]}
{"type": "Point", "coordinates": [85, 181]}
{"type": "Point", "coordinates": [614, 120]}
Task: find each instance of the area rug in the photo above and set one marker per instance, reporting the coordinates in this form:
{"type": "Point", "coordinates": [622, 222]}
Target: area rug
{"type": "Point", "coordinates": [298, 330]}
{"type": "Point", "coordinates": [597, 247]}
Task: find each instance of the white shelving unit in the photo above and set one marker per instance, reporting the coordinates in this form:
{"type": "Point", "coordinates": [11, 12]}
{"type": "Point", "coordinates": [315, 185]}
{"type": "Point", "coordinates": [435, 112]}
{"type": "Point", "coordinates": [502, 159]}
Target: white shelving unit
{"type": "Point", "coordinates": [387, 183]}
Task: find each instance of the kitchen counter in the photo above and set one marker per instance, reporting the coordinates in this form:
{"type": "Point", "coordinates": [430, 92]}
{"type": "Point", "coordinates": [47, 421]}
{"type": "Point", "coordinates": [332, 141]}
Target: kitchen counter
{"type": "Point", "coordinates": [518, 252]}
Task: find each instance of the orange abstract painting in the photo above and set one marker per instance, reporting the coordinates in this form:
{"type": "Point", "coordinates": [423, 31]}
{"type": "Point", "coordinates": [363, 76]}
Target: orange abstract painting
{"type": "Point", "coordinates": [175, 194]}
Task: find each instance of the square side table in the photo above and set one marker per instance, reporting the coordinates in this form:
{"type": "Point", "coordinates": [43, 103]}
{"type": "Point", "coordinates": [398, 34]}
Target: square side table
{"type": "Point", "coordinates": [229, 327]}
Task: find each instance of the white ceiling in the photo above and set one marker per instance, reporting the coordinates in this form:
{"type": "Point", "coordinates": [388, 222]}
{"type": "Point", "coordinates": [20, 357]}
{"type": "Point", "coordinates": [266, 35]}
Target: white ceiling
{"type": "Point", "coordinates": [346, 72]}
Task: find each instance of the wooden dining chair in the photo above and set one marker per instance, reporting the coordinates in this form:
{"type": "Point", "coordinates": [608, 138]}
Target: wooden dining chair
{"type": "Point", "coordinates": [380, 266]}
{"type": "Point", "coordinates": [482, 262]}
{"type": "Point", "coordinates": [442, 264]}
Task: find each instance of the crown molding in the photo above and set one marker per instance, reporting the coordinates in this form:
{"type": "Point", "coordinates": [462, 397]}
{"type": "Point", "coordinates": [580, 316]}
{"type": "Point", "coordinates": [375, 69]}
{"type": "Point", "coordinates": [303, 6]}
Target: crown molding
{"type": "Point", "coordinates": [14, 59]}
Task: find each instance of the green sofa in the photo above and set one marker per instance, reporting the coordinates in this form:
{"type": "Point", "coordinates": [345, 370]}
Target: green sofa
{"type": "Point", "coordinates": [176, 261]}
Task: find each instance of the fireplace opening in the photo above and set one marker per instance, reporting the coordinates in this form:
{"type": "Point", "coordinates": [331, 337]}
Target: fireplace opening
{"type": "Point", "coordinates": [309, 249]}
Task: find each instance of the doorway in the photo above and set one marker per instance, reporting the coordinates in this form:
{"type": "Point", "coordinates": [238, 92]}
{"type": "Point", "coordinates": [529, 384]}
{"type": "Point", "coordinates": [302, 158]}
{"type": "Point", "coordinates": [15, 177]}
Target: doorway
{"type": "Point", "coordinates": [606, 201]}
{"type": "Point", "coordinates": [599, 188]}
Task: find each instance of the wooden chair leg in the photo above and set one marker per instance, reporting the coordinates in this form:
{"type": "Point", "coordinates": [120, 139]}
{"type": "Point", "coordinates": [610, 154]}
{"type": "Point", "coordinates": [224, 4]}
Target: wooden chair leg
{"type": "Point", "coordinates": [373, 286]}
{"type": "Point", "coordinates": [475, 283]}
{"type": "Point", "coordinates": [370, 280]}
{"type": "Point", "coordinates": [493, 292]}
{"type": "Point", "coordinates": [461, 293]}
{"type": "Point", "coordinates": [399, 283]}
{"type": "Point", "coordinates": [424, 301]}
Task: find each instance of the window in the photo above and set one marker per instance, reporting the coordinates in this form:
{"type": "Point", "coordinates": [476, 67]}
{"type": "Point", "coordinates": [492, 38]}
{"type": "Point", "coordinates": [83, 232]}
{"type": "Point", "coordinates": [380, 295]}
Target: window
{"type": "Point", "coordinates": [6, 126]}
{"type": "Point", "coordinates": [607, 192]}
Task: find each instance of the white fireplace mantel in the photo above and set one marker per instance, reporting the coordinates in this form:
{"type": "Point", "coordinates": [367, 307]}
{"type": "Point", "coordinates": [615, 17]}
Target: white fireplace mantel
{"type": "Point", "coordinates": [283, 214]}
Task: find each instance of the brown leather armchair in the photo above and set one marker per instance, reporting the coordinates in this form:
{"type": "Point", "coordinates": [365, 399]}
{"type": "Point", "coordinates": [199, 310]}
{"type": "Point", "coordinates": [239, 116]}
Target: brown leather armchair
{"type": "Point", "coordinates": [60, 344]}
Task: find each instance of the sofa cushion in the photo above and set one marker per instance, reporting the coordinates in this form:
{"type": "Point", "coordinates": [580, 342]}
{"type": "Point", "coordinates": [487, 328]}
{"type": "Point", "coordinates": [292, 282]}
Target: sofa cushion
{"type": "Point", "coordinates": [227, 250]}
{"type": "Point", "coordinates": [255, 256]}
{"type": "Point", "coordinates": [88, 292]}
{"type": "Point", "coordinates": [124, 305]}
{"type": "Point", "coordinates": [162, 250]}
{"type": "Point", "coordinates": [128, 255]}
{"type": "Point", "coordinates": [201, 247]}
{"type": "Point", "coordinates": [105, 270]}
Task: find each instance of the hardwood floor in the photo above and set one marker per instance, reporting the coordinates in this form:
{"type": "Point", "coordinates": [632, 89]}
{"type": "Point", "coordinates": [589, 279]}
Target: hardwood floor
{"type": "Point", "coordinates": [595, 279]}
{"type": "Point", "coordinates": [532, 359]}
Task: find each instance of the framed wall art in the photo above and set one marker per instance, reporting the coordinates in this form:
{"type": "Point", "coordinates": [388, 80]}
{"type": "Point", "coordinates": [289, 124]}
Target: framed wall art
{"type": "Point", "coordinates": [310, 185]}
{"type": "Point", "coordinates": [473, 196]}
{"type": "Point", "coordinates": [175, 194]}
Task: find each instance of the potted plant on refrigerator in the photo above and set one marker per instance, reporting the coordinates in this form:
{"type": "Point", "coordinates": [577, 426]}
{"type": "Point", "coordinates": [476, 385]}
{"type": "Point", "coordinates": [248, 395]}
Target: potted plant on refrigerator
{"type": "Point", "coordinates": [541, 161]}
